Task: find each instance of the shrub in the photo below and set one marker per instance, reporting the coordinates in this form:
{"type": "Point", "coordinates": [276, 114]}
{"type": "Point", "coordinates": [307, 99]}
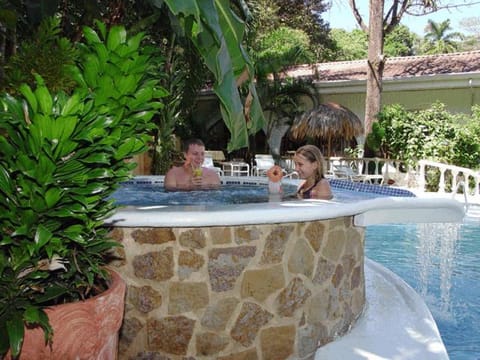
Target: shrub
{"type": "Point", "coordinates": [61, 157]}
{"type": "Point", "coordinates": [433, 133]}
{"type": "Point", "coordinates": [48, 55]}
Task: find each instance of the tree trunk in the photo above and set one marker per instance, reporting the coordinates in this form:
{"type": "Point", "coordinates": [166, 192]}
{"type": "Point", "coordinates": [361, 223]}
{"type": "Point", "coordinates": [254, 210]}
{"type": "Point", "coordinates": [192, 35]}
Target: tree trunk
{"type": "Point", "coordinates": [375, 64]}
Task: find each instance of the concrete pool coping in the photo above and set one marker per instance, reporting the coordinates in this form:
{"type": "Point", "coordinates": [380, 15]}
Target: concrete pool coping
{"type": "Point", "coordinates": [366, 212]}
{"type": "Point", "coordinates": [396, 324]}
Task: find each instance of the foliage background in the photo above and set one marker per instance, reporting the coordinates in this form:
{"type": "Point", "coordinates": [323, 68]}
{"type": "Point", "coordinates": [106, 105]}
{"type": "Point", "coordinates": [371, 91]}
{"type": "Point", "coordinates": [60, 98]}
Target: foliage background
{"type": "Point", "coordinates": [433, 133]}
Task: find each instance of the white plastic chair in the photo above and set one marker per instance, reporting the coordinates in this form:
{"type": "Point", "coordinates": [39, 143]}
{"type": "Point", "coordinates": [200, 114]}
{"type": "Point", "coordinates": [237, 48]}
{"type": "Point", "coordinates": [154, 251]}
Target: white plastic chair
{"type": "Point", "coordinates": [263, 162]}
{"type": "Point", "coordinates": [208, 163]}
{"type": "Point", "coordinates": [354, 172]}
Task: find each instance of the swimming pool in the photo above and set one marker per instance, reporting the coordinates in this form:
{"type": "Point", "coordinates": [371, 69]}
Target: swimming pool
{"type": "Point", "coordinates": [149, 192]}
{"type": "Point", "coordinates": [283, 276]}
{"type": "Point", "coordinates": [440, 261]}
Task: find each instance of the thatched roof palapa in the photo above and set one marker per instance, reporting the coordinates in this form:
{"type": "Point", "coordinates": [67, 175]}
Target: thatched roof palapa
{"type": "Point", "coordinates": [327, 121]}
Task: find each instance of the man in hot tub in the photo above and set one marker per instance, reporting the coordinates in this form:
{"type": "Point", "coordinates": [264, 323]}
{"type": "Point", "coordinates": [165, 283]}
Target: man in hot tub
{"type": "Point", "coordinates": [191, 175]}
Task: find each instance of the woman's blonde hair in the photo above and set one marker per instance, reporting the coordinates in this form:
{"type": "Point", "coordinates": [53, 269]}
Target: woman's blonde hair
{"type": "Point", "coordinates": [313, 154]}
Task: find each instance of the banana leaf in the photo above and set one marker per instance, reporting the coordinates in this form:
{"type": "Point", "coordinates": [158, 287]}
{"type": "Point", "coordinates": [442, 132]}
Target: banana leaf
{"type": "Point", "coordinates": [217, 33]}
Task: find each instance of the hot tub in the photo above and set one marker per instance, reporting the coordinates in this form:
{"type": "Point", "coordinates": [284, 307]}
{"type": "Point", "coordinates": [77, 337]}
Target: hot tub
{"type": "Point", "coordinates": [270, 280]}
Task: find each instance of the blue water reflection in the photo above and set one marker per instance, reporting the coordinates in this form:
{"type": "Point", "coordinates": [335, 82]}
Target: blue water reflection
{"type": "Point", "coordinates": [441, 262]}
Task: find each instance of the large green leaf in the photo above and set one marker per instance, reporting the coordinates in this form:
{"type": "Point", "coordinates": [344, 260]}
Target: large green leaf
{"type": "Point", "coordinates": [90, 35]}
{"type": "Point", "coordinates": [44, 170]}
{"type": "Point", "coordinates": [6, 185]}
{"type": "Point", "coordinates": [62, 142]}
{"type": "Point", "coordinates": [44, 99]}
{"type": "Point", "coordinates": [72, 105]}
{"type": "Point", "coordinates": [217, 34]}
{"type": "Point", "coordinates": [100, 173]}
{"type": "Point", "coordinates": [42, 236]}
{"type": "Point", "coordinates": [102, 53]}
{"type": "Point", "coordinates": [134, 41]}
{"type": "Point", "coordinates": [126, 83]}
{"type": "Point", "coordinates": [91, 70]}
{"type": "Point", "coordinates": [51, 292]}
{"type": "Point", "coordinates": [34, 315]}
{"type": "Point", "coordinates": [15, 330]}
{"type": "Point", "coordinates": [30, 96]}
{"type": "Point", "coordinates": [52, 196]}
{"type": "Point", "coordinates": [233, 30]}
{"type": "Point", "coordinates": [26, 164]}
{"type": "Point", "coordinates": [116, 36]}
{"type": "Point", "coordinates": [98, 158]}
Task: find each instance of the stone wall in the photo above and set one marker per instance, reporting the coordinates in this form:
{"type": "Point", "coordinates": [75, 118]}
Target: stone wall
{"type": "Point", "coordinates": [276, 291]}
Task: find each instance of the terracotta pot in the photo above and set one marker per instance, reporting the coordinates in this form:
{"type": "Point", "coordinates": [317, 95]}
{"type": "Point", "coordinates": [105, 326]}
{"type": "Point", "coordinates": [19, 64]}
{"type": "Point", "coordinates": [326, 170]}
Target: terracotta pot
{"type": "Point", "coordinates": [82, 330]}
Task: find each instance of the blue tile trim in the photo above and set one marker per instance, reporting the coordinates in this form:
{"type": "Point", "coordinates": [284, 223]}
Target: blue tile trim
{"type": "Point", "coordinates": [334, 183]}
{"type": "Point", "coordinates": [369, 188]}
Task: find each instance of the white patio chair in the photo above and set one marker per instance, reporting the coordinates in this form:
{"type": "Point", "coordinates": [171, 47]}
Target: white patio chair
{"type": "Point", "coordinates": [208, 163]}
{"type": "Point", "coordinates": [354, 171]}
{"type": "Point", "coordinates": [263, 162]}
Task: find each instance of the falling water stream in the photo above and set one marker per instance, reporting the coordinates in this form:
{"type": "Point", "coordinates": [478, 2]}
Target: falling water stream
{"type": "Point", "coordinates": [436, 254]}
{"type": "Point", "coordinates": [441, 262]}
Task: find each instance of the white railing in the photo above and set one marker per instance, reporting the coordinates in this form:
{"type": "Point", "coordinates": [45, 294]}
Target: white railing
{"type": "Point", "coordinates": [383, 171]}
{"type": "Point", "coordinates": [454, 180]}
{"type": "Point", "coordinates": [427, 177]}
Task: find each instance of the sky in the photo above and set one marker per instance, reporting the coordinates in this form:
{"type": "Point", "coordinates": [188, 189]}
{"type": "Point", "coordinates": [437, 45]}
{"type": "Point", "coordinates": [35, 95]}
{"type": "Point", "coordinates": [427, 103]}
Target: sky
{"type": "Point", "coordinates": [340, 16]}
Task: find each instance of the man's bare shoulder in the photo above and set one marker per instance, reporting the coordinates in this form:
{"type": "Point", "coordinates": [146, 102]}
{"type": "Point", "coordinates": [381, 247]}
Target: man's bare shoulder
{"type": "Point", "coordinates": [211, 175]}
{"type": "Point", "coordinates": [174, 175]}
{"type": "Point", "coordinates": [175, 170]}
{"type": "Point", "coordinates": [209, 171]}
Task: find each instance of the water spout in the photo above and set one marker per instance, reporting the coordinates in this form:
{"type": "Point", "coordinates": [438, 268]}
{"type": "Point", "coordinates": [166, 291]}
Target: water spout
{"type": "Point", "coordinates": [465, 197]}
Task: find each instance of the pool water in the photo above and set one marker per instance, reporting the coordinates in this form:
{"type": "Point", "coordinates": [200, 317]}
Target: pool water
{"type": "Point", "coordinates": [155, 194]}
{"type": "Point", "coordinates": [441, 262]}
{"type": "Point", "coordinates": [148, 194]}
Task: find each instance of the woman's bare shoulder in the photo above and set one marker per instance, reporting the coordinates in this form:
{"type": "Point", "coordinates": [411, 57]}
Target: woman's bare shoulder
{"type": "Point", "coordinates": [323, 190]}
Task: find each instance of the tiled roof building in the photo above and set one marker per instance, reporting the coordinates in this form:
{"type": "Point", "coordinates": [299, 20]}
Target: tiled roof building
{"type": "Point", "coordinates": [415, 82]}
{"type": "Point", "coordinates": [412, 81]}
{"type": "Point", "coordinates": [395, 68]}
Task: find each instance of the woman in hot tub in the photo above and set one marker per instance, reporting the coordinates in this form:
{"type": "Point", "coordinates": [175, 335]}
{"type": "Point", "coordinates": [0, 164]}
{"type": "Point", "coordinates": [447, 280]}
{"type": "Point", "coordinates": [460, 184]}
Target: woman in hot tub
{"type": "Point", "coordinates": [309, 166]}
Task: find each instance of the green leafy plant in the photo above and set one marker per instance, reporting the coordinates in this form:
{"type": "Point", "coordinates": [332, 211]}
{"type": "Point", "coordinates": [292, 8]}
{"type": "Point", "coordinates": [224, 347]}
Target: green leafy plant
{"type": "Point", "coordinates": [376, 138]}
{"type": "Point", "coordinates": [217, 33]}
{"type": "Point", "coordinates": [61, 157]}
{"type": "Point", "coordinates": [47, 54]}
{"type": "Point", "coordinates": [412, 135]}
{"type": "Point", "coordinates": [433, 133]}
{"type": "Point", "coordinates": [183, 75]}
{"type": "Point", "coordinates": [467, 147]}
{"type": "Point", "coordinates": [281, 48]}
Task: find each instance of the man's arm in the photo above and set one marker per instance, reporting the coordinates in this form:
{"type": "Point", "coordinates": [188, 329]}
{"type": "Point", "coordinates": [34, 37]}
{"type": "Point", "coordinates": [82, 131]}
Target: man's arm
{"type": "Point", "coordinates": [170, 180]}
{"type": "Point", "coordinates": [211, 177]}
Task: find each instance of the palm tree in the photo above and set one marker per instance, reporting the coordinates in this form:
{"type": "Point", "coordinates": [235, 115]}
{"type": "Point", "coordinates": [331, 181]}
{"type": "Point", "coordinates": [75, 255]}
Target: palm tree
{"type": "Point", "coordinates": [439, 39]}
